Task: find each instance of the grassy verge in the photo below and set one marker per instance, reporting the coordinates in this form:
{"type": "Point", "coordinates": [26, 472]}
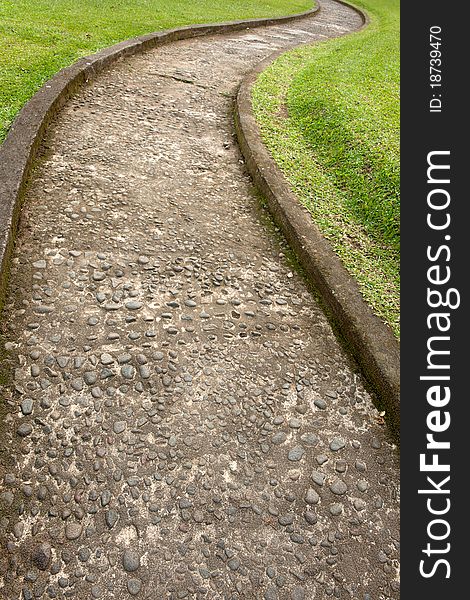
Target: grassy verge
{"type": "Point", "coordinates": [330, 116]}
{"type": "Point", "coordinates": [39, 37]}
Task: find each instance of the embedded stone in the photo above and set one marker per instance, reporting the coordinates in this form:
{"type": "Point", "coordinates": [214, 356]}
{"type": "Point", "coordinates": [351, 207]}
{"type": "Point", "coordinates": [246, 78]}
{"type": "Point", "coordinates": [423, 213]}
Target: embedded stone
{"type": "Point", "coordinates": [127, 371]}
{"type": "Point", "coordinates": [119, 426]}
{"type": "Point", "coordinates": [73, 531]}
{"type": "Point", "coordinates": [336, 444]}
{"type": "Point", "coordinates": [296, 453]}
{"type": "Point", "coordinates": [24, 429]}
{"type": "Point", "coordinates": [338, 487]}
{"type": "Point", "coordinates": [41, 556]}
{"type": "Point", "coordinates": [111, 517]}
{"type": "Point", "coordinates": [130, 560]}
{"type": "Point", "coordinates": [312, 497]}
{"type": "Point", "coordinates": [279, 438]}
{"type": "Point", "coordinates": [134, 586]}
{"type": "Point", "coordinates": [106, 359]}
{"type": "Point", "coordinates": [27, 406]}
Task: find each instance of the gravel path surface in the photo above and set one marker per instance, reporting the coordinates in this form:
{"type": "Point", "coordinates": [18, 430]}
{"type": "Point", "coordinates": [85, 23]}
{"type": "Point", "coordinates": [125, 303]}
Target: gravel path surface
{"type": "Point", "coordinates": [182, 422]}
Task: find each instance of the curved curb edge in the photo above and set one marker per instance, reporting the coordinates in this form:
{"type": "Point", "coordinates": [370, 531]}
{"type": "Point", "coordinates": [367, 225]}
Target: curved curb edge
{"type": "Point", "coordinates": [20, 148]}
{"type": "Point", "coordinates": [371, 341]}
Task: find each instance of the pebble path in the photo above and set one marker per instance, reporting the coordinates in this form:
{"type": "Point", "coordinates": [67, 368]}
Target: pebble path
{"type": "Point", "coordinates": [181, 421]}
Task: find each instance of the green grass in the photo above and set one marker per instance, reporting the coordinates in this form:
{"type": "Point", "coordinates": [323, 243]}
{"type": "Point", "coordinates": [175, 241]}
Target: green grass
{"type": "Point", "coordinates": [39, 37]}
{"type": "Point", "coordinates": [329, 114]}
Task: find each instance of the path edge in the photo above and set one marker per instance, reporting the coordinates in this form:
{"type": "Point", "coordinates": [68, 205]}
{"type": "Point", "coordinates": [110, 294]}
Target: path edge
{"type": "Point", "coordinates": [21, 145]}
{"type": "Point", "coordinates": [371, 342]}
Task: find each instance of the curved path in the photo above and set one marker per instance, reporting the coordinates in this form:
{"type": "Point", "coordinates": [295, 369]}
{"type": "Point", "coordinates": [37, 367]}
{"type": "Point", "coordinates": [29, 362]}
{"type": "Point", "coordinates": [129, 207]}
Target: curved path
{"type": "Point", "coordinates": [182, 421]}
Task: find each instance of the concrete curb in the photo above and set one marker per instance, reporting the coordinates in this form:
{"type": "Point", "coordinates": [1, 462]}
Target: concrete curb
{"type": "Point", "coordinates": [371, 341]}
{"type": "Point", "coordinates": [20, 148]}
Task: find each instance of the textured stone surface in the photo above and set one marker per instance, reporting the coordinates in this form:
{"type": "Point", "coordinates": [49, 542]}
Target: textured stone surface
{"type": "Point", "coordinates": [164, 436]}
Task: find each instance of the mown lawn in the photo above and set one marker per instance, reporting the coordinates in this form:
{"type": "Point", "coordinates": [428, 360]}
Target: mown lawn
{"type": "Point", "coordinates": [39, 37]}
{"type": "Point", "coordinates": [330, 116]}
